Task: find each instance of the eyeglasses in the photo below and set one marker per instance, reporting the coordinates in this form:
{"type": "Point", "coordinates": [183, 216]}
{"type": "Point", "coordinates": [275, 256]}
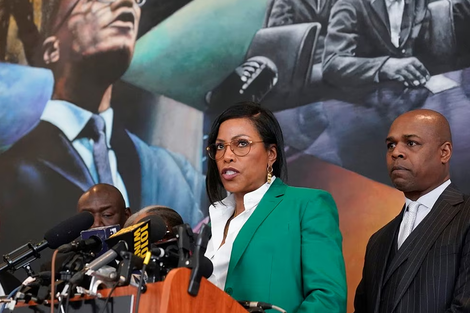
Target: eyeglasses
{"type": "Point", "coordinates": [240, 147]}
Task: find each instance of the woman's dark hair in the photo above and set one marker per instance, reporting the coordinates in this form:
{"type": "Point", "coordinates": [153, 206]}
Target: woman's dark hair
{"type": "Point", "coordinates": [269, 130]}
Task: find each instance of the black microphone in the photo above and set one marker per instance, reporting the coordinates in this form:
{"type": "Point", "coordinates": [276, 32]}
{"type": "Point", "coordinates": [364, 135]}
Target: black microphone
{"type": "Point", "coordinates": [99, 262]}
{"type": "Point", "coordinates": [62, 233]}
{"type": "Point", "coordinates": [135, 238]}
{"type": "Point", "coordinates": [93, 240]}
{"type": "Point", "coordinates": [199, 263]}
{"type": "Point", "coordinates": [92, 244]}
{"type": "Point", "coordinates": [158, 227]}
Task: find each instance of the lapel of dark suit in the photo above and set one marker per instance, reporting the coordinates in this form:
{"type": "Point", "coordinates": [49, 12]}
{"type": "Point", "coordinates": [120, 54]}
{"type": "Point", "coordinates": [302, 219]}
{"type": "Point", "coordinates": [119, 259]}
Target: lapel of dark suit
{"type": "Point", "coordinates": [379, 18]}
{"type": "Point", "coordinates": [417, 245]}
{"type": "Point", "coordinates": [268, 203]}
{"type": "Point", "coordinates": [56, 152]}
{"type": "Point", "coordinates": [414, 13]}
{"type": "Point", "coordinates": [381, 252]}
{"type": "Point", "coordinates": [128, 163]}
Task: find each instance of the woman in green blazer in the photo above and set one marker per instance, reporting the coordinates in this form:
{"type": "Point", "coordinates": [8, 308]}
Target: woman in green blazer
{"type": "Point", "coordinates": [270, 242]}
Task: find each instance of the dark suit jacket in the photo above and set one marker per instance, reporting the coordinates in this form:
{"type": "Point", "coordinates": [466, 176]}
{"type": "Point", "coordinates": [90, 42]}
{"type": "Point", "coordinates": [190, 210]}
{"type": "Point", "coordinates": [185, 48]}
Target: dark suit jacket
{"type": "Point", "coordinates": [287, 12]}
{"type": "Point", "coordinates": [43, 176]}
{"type": "Point", "coordinates": [358, 40]}
{"type": "Point", "coordinates": [430, 272]}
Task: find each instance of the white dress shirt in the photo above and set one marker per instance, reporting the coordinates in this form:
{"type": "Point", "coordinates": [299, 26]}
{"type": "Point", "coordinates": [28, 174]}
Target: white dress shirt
{"type": "Point", "coordinates": [426, 202]}
{"type": "Point", "coordinates": [71, 120]}
{"type": "Point", "coordinates": [395, 10]}
{"type": "Point", "coordinates": [2, 292]}
{"type": "Point", "coordinates": [220, 214]}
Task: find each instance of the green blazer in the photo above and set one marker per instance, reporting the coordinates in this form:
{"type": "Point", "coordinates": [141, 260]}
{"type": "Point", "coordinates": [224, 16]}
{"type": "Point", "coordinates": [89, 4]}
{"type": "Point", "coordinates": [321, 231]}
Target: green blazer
{"type": "Point", "coordinates": [289, 253]}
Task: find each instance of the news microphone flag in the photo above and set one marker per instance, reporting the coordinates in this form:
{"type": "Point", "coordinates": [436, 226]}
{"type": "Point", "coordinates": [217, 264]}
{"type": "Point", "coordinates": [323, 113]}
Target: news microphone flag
{"type": "Point", "coordinates": [102, 233]}
{"type": "Point", "coordinates": [136, 236]}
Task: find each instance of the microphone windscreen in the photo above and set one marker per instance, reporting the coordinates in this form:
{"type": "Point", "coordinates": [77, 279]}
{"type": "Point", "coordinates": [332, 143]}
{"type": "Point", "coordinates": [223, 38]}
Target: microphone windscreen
{"type": "Point", "coordinates": [157, 227]}
{"type": "Point", "coordinates": [206, 267]}
{"type": "Point", "coordinates": [68, 230]}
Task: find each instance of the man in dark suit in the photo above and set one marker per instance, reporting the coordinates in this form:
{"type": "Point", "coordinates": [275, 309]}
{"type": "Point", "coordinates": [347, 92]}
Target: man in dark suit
{"type": "Point", "coordinates": [370, 41]}
{"type": "Point", "coordinates": [420, 261]}
{"type": "Point", "coordinates": [88, 45]}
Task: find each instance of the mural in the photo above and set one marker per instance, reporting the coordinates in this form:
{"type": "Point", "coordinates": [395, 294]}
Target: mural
{"type": "Point", "coordinates": [144, 80]}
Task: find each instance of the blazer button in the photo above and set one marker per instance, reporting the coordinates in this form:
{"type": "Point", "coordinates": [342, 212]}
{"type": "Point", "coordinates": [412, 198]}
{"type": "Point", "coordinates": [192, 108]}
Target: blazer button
{"type": "Point", "coordinates": [229, 291]}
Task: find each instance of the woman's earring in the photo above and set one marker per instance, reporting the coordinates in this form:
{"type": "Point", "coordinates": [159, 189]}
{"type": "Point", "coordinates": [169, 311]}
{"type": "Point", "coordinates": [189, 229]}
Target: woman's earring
{"type": "Point", "coordinates": [270, 174]}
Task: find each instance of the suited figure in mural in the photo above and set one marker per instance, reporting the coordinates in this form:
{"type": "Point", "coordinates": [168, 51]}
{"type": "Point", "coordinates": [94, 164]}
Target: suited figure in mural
{"type": "Point", "coordinates": [288, 12]}
{"type": "Point", "coordinates": [88, 45]}
{"type": "Point", "coordinates": [420, 261]}
{"type": "Point", "coordinates": [371, 41]}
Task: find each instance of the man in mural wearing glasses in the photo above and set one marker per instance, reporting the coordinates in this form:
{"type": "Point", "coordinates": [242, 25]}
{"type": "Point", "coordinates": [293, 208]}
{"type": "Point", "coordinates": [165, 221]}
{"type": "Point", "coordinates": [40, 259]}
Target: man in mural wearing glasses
{"type": "Point", "coordinates": [88, 45]}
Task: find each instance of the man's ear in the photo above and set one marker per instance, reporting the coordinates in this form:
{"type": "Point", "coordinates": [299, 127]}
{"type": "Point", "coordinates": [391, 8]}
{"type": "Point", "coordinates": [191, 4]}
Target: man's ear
{"type": "Point", "coordinates": [446, 152]}
{"type": "Point", "coordinates": [50, 48]}
{"type": "Point", "coordinates": [128, 213]}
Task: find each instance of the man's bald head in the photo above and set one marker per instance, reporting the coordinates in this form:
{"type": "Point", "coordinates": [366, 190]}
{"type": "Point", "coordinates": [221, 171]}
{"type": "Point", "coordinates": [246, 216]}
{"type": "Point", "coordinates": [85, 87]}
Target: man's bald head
{"type": "Point", "coordinates": [419, 148]}
{"type": "Point", "coordinates": [106, 204]}
{"type": "Point", "coordinates": [435, 121]}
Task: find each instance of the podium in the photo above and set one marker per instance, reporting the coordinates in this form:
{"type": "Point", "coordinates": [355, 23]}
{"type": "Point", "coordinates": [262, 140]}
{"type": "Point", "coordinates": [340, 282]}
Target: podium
{"type": "Point", "coordinates": [169, 296]}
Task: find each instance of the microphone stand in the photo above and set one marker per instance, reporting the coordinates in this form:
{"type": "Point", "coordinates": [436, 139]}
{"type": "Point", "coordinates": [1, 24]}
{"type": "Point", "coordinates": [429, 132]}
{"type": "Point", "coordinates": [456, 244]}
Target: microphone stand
{"type": "Point", "coordinates": [22, 257]}
{"type": "Point", "coordinates": [185, 239]}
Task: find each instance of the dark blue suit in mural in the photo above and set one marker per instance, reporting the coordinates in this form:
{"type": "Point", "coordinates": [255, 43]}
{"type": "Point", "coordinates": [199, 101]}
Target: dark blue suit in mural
{"type": "Point", "coordinates": [43, 176]}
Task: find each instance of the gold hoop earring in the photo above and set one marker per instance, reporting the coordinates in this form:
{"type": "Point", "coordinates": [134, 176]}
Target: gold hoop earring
{"type": "Point", "coordinates": [270, 174]}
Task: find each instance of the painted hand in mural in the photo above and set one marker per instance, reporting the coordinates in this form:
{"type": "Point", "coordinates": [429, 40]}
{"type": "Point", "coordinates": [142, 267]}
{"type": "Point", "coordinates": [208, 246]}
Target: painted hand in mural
{"type": "Point", "coordinates": [408, 70]}
{"type": "Point", "coordinates": [252, 80]}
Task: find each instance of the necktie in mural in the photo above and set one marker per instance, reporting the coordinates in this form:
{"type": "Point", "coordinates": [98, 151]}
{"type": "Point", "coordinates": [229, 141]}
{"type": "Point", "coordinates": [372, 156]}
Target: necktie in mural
{"type": "Point", "coordinates": [96, 130]}
{"type": "Point", "coordinates": [409, 219]}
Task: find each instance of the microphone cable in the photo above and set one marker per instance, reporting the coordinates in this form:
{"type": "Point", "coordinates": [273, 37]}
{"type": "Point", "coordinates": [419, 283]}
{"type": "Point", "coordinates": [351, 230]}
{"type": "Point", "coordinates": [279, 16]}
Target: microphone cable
{"type": "Point", "coordinates": [2, 308]}
{"type": "Point", "coordinates": [142, 277]}
{"type": "Point", "coordinates": [109, 297]}
{"type": "Point", "coordinates": [54, 256]}
{"type": "Point", "coordinates": [252, 306]}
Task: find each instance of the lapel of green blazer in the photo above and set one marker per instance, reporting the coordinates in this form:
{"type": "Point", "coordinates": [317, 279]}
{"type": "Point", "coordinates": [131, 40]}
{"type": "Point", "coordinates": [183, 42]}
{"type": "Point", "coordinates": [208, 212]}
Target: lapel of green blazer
{"type": "Point", "coordinates": [268, 203]}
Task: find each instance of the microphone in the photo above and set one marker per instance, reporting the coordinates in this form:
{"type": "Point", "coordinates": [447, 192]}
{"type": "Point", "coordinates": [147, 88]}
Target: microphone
{"type": "Point", "coordinates": [206, 267]}
{"type": "Point", "coordinates": [92, 240]}
{"type": "Point", "coordinates": [253, 306]}
{"type": "Point", "coordinates": [157, 225]}
{"type": "Point", "coordinates": [134, 259]}
{"type": "Point", "coordinates": [201, 266]}
{"type": "Point", "coordinates": [135, 238]}
{"type": "Point", "coordinates": [64, 232]}
{"type": "Point", "coordinates": [140, 235]}
{"type": "Point", "coordinates": [105, 258]}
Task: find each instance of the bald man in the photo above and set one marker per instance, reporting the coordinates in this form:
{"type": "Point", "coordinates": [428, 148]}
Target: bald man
{"type": "Point", "coordinates": [106, 204]}
{"type": "Point", "coordinates": [420, 261]}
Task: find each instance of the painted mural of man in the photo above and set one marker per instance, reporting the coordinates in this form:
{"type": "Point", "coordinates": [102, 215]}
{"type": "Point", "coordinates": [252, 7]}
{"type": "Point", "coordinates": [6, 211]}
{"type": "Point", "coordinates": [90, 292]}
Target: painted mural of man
{"type": "Point", "coordinates": [370, 41]}
{"type": "Point", "coordinates": [88, 46]}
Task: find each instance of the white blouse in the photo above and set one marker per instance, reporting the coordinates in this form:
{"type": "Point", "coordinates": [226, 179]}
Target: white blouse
{"type": "Point", "coordinates": [220, 214]}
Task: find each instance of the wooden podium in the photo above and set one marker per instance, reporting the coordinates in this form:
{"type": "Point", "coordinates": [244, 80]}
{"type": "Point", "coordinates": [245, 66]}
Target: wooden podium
{"type": "Point", "coordinates": [169, 296]}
